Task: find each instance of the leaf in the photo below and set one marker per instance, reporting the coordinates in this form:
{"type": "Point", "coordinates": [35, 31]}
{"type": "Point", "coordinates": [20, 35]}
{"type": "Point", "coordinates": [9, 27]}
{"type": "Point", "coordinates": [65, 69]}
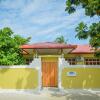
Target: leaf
{"type": "Point", "coordinates": [9, 47]}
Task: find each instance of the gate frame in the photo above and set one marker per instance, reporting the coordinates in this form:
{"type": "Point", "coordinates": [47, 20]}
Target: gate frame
{"type": "Point", "coordinates": [59, 71]}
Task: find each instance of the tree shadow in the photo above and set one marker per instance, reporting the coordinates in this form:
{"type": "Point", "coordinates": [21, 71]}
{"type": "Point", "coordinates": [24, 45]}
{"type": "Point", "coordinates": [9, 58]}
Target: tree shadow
{"type": "Point", "coordinates": [3, 70]}
{"type": "Point", "coordinates": [76, 95]}
{"type": "Point", "coordinates": [19, 83]}
{"type": "Point", "coordinates": [32, 81]}
{"type": "Point", "coordinates": [58, 93]}
{"type": "Point", "coordinates": [82, 96]}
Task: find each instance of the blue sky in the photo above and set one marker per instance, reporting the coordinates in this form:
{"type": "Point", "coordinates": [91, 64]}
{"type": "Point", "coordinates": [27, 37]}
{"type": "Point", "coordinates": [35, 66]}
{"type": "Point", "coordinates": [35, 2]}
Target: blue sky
{"type": "Point", "coordinates": [43, 20]}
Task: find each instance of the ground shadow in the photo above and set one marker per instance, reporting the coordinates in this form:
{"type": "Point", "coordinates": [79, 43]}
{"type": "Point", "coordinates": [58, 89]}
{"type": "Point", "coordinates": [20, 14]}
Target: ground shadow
{"type": "Point", "coordinates": [82, 96]}
{"type": "Point", "coordinates": [56, 92]}
{"type": "Point", "coordinates": [75, 95]}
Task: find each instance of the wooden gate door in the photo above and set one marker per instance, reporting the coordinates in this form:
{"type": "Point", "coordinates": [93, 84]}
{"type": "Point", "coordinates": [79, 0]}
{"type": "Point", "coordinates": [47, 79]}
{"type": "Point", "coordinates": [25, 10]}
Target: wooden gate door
{"type": "Point", "coordinates": [49, 74]}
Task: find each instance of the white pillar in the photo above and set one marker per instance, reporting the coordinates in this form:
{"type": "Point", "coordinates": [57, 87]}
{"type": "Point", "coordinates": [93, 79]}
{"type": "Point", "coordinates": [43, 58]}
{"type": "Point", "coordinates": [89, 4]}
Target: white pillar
{"type": "Point", "coordinates": [62, 64]}
{"type": "Point", "coordinates": [36, 63]}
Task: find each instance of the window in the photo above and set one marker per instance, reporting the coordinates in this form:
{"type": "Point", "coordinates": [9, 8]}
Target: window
{"type": "Point", "coordinates": [28, 61]}
{"type": "Point", "coordinates": [92, 61]}
{"type": "Point", "coordinates": [71, 61]}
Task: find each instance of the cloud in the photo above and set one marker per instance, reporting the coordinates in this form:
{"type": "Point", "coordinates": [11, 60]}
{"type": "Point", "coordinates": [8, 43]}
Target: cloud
{"type": "Point", "coordinates": [11, 4]}
{"type": "Point", "coordinates": [43, 20]}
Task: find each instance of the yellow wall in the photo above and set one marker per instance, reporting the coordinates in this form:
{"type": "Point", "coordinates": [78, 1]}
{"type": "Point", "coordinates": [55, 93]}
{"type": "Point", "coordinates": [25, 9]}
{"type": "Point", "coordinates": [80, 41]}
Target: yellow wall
{"type": "Point", "coordinates": [18, 78]}
{"type": "Point", "coordinates": [86, 78]}
{"type": "Point", "coordinates": [27, 78]}
{"type": "Point", "coordinates": [50, 59]}
{"type": "Point", "coordinates": [75, 55]}
{"type": "Point", "coordinates": [82, 55]}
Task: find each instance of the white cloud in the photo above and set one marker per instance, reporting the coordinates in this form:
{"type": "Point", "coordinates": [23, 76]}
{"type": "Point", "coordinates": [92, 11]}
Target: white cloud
{"type": "Point", "coordinates": [33, 7]}
{"type": "Point", "coordinates": [40, 18]}
{"type": "Point", "coordinates": [11, 4]}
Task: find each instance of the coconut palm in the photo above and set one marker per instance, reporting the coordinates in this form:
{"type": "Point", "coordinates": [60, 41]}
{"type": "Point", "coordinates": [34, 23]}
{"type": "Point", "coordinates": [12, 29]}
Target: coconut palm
{"type": "Point", "coordinates": [60, 39]}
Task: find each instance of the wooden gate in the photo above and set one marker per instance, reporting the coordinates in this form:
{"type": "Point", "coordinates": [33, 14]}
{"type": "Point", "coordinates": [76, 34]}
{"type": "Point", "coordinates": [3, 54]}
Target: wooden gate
{"type": "Point", "coordinates": [49, 73]}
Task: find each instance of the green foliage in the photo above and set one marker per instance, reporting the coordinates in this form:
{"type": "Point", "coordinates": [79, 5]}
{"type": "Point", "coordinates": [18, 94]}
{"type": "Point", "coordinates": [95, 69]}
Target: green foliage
{"type": "Point", "coordinates": [92, 8]}
{"type": "Point", "coordinates": [97, 54]}
{"type": "Point", "coordinates": [10, 53]}
{"type": "Point", "coordinates": [92, 32]}
{"type": "Point", "coordinates": [20, 40]}
{"type": "Point", "coordinates": [82, 31]}
{"type": "Point", "coordinates": [60, 39]}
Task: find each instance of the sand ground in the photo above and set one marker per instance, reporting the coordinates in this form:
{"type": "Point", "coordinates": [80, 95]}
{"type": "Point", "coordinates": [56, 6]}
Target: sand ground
{"type": "Point", "coordinates": [52, 95]}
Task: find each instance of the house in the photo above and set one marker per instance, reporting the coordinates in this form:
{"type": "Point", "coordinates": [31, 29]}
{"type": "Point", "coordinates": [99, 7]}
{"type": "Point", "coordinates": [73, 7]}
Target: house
{"type": "Point", "coordinates": [74, 54]}
{"type": "Point", "coordinates": [51, 73]}
{"type": "Point", "coordinates": [63, 66]}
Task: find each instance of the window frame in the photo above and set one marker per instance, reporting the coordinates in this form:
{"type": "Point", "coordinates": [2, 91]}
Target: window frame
{"type": "Point", "coordinates": [71, 61]}
{"type": "Point", "coordinates": [91, 61]}
{"type": "Point", "coordinates": [28, 60]}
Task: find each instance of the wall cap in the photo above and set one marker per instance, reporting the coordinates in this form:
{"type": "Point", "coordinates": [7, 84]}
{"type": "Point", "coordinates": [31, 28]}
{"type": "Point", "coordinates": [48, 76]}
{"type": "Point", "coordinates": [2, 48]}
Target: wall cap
{"type": "Point", "coordinates": [17, 66]}
{"type": "Point", "coordinates": [82, 66]}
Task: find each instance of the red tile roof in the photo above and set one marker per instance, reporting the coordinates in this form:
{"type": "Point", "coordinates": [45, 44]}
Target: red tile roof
{"type": "Point", "coordinates": [49, 45]}
{"type": "Point", "coordinates": [52, 45]}
{"type": "Point", "coordinates": [83, 49]}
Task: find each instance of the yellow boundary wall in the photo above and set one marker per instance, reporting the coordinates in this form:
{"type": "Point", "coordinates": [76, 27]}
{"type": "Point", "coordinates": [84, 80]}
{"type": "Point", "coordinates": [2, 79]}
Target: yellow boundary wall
{"type": "Point", "coordinates": [86, 78]}
{"type": "Point", "coordinates": [18, 78]}
{"type": "Point", "coordinates": [28, 78]}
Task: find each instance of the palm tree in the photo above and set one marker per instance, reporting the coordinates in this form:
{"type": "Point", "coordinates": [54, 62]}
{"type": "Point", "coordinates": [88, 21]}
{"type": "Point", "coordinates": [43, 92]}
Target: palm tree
{"type": "Point", "coordinates": [60, 39]}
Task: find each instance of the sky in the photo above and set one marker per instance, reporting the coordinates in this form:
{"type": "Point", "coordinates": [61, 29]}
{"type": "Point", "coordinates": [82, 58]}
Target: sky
{"type": "Point", "coordinates": [42, 20]}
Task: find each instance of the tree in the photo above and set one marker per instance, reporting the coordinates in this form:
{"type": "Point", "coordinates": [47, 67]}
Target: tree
{"type": "Point", "coordinates": [92, 8]}
{"type": "Point", "coordinates": [20, 40]}
{"type": "Point", "coordinates": [10, 52]}
{"type": "Point", "coordinates": [60, 39]}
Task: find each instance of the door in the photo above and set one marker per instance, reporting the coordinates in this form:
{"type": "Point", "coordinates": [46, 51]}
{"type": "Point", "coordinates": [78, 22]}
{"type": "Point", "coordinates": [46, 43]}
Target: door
{"type": "Point", "coordinates": [49, 73]}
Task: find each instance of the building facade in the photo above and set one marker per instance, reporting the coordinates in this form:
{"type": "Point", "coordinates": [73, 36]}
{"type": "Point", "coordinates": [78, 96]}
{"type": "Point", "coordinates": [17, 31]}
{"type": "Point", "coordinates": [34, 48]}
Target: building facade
{"type": "Point", "coordinates": [57, 59]}
{"type": "Point", "coordinates": [80, 55]}
{"type": "Point", "coordinates": [53, 65]}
